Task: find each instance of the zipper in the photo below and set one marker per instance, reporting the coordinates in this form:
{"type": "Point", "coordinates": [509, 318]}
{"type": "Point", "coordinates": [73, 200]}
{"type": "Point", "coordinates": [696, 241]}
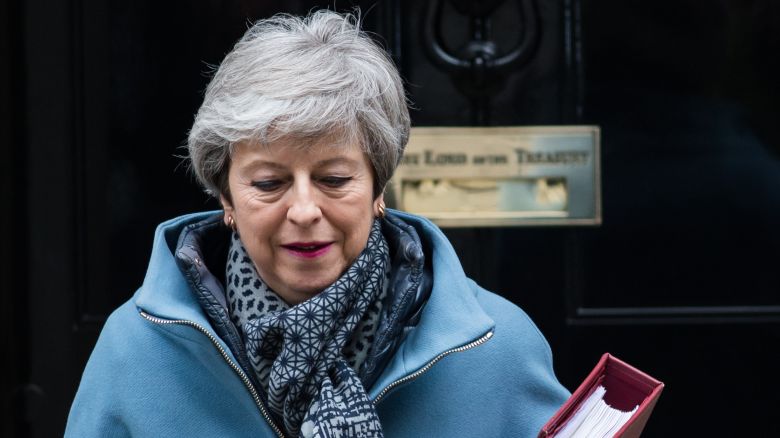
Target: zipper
{"type": "Point", "coordinates": [241, 374]}
{"type": "Point", "coordinates": [430, 364]}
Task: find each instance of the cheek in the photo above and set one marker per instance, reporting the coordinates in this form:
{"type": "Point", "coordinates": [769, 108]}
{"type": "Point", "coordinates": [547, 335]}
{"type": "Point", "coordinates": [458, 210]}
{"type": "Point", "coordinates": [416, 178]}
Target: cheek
{"type": "Point", "coordinates": [257, 230]}
{"type": "Point", "coordinates": [357, 228]}
{"type": "Point", "coordinates": [257, 245]}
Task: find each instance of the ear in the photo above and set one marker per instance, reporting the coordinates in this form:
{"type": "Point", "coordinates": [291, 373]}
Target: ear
{"type": "Point", "coordinates": [227, 207]}
{"type": "Point", "coordinates": [379, 200]}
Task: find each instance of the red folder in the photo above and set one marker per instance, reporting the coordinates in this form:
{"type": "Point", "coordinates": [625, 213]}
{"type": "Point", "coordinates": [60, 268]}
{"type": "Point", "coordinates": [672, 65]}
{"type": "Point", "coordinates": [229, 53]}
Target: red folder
{"type": "Point", "coordinates": [626, 388]}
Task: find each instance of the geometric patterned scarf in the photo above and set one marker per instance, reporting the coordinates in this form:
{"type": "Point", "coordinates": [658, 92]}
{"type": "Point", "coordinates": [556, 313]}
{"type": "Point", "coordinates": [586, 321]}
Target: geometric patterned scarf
{"type": "Point", "coordinates": [307, 357]}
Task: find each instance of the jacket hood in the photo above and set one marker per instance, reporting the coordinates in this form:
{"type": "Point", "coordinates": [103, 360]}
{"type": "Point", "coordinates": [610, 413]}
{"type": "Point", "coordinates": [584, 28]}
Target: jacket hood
{"type": "Point", "coordinates": [451, 318]}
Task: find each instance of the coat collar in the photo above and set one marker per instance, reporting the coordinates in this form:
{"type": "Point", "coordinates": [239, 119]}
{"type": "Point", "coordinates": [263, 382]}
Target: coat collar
{"type": "Point", "coordinates": [451, 318]}
{"type": "Point", "coordinates": [165, 292]}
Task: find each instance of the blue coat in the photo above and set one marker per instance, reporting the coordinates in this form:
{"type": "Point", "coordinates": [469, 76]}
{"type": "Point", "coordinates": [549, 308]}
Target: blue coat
{"type": "Point", "coordinates": [475, 365]}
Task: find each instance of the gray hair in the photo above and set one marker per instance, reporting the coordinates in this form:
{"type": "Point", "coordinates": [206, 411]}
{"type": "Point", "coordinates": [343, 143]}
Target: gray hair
{"type": "Point", "coordinates": [305, 77]}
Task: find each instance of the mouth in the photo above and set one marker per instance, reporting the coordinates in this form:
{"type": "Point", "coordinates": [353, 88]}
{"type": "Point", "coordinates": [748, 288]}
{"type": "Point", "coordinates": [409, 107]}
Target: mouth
{"type": "Point", "coordinates": [308, 249]}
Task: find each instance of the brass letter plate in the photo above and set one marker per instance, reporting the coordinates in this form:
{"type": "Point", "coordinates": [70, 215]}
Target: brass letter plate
{"type": "Point", "coordinates": [503, 176]}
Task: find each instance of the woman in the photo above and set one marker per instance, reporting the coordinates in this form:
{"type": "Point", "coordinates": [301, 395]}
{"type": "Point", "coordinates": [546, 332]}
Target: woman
{"type": "Point", "coordinates": [305, 308]}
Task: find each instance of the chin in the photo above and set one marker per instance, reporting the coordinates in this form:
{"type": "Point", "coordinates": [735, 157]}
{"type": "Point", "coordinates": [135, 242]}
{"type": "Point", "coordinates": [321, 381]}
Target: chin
{"type": "Point", "coordinates": [314, 281]}
{"type": "Point", "coordinates": [306, 291]}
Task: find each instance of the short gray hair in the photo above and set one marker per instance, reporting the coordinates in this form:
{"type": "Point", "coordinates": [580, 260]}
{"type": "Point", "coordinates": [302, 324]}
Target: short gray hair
{"type": "Point", "coordinates": [305, 77]}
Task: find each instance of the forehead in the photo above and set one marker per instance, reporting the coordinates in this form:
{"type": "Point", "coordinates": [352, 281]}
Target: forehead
{"type": "Point", "coordinates": [292, 151]}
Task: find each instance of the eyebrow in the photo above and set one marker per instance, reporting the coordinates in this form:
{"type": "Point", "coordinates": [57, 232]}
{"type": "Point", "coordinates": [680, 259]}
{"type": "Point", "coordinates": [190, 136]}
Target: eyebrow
{"type": "Point", "coordinates": [277, 166]}
{"type": "Point", "coordinates": [334, 160]}
{"type": "Point", "coordinates": [261, 163]}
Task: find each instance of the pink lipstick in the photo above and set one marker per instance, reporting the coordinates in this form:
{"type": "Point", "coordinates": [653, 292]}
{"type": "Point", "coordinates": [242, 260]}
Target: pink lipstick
{"type": "Point", "coordinates": [307, 250]}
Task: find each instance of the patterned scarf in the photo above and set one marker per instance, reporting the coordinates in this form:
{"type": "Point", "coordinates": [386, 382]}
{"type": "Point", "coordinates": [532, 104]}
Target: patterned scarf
{"type": "Point", "coordinates": [308, 357]}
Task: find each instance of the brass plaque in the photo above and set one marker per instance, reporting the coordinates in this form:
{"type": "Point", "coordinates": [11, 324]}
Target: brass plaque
{"type": "Point", "coordinates": [502, 176]}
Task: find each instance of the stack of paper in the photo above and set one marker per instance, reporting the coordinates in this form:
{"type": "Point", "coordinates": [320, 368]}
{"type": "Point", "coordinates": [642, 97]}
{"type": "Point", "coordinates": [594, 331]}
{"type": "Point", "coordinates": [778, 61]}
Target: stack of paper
{"type": "Point", "coordinates": [595, 418]}
{"type": "Point", "coordinates": [615, 400]}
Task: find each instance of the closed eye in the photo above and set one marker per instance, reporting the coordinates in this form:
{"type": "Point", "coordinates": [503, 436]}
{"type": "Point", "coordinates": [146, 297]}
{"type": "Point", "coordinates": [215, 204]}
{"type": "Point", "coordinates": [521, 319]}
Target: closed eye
{"type": "Point", "coordinates": [334, 182]}
{"type": "Point", "coordinates": [268, 185]}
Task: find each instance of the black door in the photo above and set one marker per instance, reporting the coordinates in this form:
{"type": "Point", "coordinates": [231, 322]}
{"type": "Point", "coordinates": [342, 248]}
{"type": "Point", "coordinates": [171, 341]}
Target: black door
{"type": "Point", "coordinates": [680, 279]}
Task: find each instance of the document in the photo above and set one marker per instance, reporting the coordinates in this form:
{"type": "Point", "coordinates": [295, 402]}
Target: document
{"type": "Point", "coordinates": [615, 400]}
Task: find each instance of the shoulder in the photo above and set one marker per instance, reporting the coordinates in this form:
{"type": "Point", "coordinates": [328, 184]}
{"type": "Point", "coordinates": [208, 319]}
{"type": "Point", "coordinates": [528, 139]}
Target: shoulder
{"type": "Point", "coordinates": [502, 386]}
{"type": "Point", "coordinates": [133, 343]}
{"type": "Point", "coordinates": [524, 360]}
{"type": "Point", "coordinates": [521, 371]}
{"type": "Point", "coordinates": [112, 360]}
{"type": "Point", "coordinates": [125, 339]}
{"type": "Point", "coordinates": [135, 338]}
{"type": "Point", "coordinates": [515, 332]}
{"type": "Point", "coordinates": [119, 333]}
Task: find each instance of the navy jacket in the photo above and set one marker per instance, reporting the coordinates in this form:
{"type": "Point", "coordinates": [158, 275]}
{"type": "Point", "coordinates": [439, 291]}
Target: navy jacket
{"type": "Point", "coordinates": [474, 364]}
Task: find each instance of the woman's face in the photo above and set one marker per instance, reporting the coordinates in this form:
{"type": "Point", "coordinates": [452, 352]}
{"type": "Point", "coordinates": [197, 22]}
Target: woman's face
{"type": "Point", "coordinates": [303, 213]}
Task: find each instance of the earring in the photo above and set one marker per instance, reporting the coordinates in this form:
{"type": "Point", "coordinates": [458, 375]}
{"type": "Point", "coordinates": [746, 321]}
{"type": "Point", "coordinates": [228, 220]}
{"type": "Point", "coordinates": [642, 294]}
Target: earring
{"type": "Point", "coordinates": [381, 208]}
{"type": "Point", "coordinates": [231, 223]}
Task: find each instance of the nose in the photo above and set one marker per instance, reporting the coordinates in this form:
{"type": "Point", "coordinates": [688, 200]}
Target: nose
{"type": "Point", "coordinates": [303, 209]}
